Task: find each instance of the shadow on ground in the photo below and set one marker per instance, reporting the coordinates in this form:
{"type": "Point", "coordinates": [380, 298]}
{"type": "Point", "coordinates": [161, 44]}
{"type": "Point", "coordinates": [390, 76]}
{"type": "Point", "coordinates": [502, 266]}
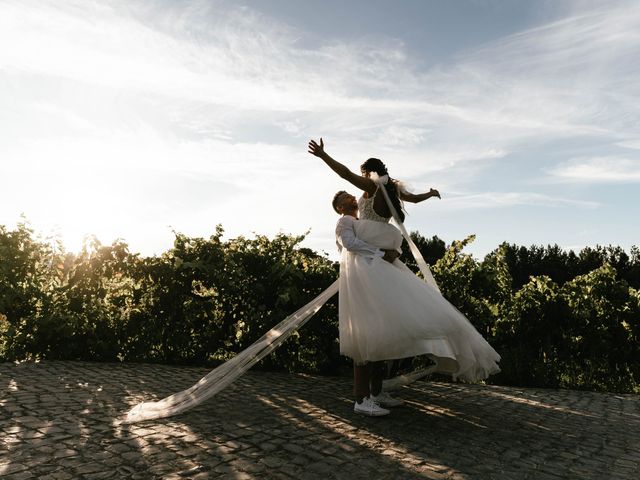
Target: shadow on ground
{"type": "Point", "coordinates": [60, 421]}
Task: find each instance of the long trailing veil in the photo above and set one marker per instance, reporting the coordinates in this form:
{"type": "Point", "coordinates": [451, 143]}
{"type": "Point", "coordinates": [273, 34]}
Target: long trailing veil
{"type": "Point", "coordinates": [234, 368]}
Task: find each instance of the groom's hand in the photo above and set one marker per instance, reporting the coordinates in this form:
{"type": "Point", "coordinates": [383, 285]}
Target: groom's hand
{"type": "Point", "coordinates": [390, 255]}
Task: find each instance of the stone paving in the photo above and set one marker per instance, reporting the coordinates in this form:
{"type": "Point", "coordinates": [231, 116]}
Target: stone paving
{"type": "Point", "coordinates": [59, 420]}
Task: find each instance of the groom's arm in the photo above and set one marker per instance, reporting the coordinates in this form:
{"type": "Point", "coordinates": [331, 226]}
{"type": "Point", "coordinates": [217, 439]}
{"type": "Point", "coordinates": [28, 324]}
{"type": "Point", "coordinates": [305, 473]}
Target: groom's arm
{"type": "Point", "coordinates": [346, 238]}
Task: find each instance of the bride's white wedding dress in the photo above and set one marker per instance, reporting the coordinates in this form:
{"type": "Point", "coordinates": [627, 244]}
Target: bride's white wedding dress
{"type": "Point", "coordinates": [387, 312]}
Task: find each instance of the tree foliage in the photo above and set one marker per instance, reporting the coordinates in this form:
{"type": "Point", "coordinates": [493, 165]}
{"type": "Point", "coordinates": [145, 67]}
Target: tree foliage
{"type": "Point", "coordinates": [558, 318]}
{"type": "Point", "coordinates": [200, 302]}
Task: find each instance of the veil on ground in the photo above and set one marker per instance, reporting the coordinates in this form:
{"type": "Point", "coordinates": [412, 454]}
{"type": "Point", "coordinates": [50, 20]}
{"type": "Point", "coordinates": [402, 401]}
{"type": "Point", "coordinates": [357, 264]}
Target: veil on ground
{"type": "Point", "coordinates": [234, 368]}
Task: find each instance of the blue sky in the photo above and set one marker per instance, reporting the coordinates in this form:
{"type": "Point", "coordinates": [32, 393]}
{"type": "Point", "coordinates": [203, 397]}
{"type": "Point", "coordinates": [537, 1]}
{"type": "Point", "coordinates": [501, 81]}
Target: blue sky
{"type": "Point", "coordinates": [130, 119]}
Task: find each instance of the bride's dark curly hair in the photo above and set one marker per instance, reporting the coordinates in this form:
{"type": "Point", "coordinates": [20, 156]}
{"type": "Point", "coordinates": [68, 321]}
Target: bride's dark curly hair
{"type": "Point", "coordinates": [376, 165]}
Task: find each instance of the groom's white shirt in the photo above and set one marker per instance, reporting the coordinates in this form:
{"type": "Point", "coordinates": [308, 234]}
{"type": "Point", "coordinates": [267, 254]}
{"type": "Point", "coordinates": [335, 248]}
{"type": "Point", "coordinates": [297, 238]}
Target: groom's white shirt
{"type": "Point", "coordinates": [346, 238]}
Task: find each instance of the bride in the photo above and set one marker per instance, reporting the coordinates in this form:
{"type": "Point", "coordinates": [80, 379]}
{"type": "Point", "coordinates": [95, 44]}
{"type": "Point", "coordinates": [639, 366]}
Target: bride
{"type": "Point", "coordinates": [387, 312]}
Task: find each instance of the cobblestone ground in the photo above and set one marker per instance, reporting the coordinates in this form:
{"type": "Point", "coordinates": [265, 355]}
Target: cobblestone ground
{"type": "Point", "coordinates": [58, 420]}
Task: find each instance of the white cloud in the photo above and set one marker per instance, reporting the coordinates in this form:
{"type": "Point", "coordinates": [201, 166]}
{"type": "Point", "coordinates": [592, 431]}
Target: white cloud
{"type": "Point", "coordinates": [631, 143]}
{"type": "Point", "coordinates": [214, 70]}
{"type": "Point", "coordinates": [608, 169]}
{"type": "Point", "coordinates": [575, 75]}
{"type": "Point", "coordinates": [108, 46]}
{"type": "Point", "coordinates": [217, 54]}
{"type": "Point", "coordinates": [492, 200]}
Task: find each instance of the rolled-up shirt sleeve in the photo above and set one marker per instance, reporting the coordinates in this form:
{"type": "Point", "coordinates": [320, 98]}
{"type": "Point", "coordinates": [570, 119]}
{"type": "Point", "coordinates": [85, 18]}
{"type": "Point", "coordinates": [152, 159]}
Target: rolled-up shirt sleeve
{"type": "Point", "coordinates": [346, 238]}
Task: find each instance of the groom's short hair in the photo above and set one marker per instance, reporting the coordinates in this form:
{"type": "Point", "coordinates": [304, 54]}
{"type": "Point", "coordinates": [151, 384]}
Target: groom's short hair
{"type": "Point", "coordinates": [335, 200]}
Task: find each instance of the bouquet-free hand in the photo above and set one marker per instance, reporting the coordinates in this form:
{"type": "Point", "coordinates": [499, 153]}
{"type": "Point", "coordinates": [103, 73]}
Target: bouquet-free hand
{"type": "Point", "coordinates": [315, 149]}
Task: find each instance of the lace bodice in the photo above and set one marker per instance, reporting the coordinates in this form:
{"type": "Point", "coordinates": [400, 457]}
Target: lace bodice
{"type": "Point", "coordinates": [366, 211]}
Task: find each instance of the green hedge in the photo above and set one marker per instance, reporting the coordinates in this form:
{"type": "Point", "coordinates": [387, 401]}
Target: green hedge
{"type": "Point", "coordinates": [558, 319]}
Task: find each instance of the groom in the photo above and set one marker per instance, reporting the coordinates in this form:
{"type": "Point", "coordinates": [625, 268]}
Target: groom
{"type": "Point", "coordinates": [367, 377]}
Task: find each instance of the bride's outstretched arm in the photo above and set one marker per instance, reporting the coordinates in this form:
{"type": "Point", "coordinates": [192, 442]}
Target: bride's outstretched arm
{"type": "Point", "coordinates": [419, 197]}
{"type": "Point", "coordinates": [358, 181]}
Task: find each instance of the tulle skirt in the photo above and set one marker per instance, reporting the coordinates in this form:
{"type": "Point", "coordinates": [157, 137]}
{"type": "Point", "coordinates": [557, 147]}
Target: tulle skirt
{"type": "Point", "coordinates": [387, 312]}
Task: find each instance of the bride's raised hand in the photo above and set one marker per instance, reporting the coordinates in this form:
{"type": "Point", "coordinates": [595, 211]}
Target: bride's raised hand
{"type": "Point", "coordinates": [315, 149]}
{"type": "Point", "coordinates": [363, 183]}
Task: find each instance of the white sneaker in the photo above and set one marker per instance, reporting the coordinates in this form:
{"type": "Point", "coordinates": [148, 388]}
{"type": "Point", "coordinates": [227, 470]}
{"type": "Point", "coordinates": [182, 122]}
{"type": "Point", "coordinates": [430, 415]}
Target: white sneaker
{"type": "Point", "coordinates": [386, 400]}
{"type": "Point", "coordinates": [370, 408]}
